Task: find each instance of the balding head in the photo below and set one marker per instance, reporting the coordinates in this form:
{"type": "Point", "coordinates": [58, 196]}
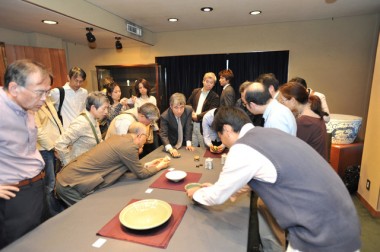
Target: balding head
{"type": "Point", "coordinates": [257, 93]}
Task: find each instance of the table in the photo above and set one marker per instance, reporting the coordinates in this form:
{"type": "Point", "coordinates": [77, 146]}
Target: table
{"type": "Point", "coordinates": [217, 228]}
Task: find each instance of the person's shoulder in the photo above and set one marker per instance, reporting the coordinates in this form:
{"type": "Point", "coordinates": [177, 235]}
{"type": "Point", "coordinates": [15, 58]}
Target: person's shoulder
{"type": "Point", "coordinates": [83, 90]}
{"type": "Point", "coordinates": [165, 113]}
{"type": "Point", "coordinates": [213, 93]}
{"type": "Point", "coordinates": [196, 90]}
{"type": "Point", "coordinates": [188, 108]}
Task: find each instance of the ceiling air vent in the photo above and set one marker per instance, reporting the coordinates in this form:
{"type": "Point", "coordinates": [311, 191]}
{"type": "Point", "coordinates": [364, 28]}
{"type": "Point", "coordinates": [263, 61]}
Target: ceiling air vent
{"type": "Point", "coordinates": [134, 29]}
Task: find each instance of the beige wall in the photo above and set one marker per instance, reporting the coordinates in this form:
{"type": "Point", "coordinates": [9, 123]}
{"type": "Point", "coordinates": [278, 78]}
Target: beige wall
{"type": "Point", "coordinates": [370, 168]}
{"type": "Point", "coordinates": [334, 56]}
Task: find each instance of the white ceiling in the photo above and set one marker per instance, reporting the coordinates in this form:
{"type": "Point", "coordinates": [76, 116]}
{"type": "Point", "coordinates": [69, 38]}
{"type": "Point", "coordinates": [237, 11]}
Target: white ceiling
{"type": "Point", "coordinates": [152, 15]}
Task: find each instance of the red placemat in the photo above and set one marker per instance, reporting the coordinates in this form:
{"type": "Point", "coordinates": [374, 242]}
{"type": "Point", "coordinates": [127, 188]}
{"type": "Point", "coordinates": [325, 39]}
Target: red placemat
{"type": "Point", "coordinates": [208, 153]}
{"type": "Point", "coordinates": [164, 183]}
{"type": "Point", "coordinates": [156, 237]}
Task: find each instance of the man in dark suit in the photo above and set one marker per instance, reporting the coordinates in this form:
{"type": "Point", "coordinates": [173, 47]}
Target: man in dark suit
{"type": "Point", "coordinates": [202, 100]}
{"type": "Point", "coordinates": [227, 98]}
{"type": "Point", "coordinates": [175, 125]}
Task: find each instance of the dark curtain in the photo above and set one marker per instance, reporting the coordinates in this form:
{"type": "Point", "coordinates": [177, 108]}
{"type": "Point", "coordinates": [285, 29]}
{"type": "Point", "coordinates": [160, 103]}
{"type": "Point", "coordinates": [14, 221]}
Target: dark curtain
{"type": "Point", "coordinates": [185, 73]}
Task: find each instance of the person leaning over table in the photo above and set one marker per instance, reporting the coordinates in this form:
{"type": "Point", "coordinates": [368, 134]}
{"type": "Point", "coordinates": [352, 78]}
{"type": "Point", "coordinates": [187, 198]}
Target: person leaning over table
{"type": "Point", "coordinates": [105, 164]}
{"type": "Point", "coordinates": [169, 124]}
{"type": "Point", "coordinates": [147, 114]}
{"type": "Point", "coordinates": [26, 85]}
{"type": "Point", "coordinates": [84, 132]}
{"type": "Point", "coordinates": [306, 196]}
{"type": "Point", "coordinates": [210, 137]}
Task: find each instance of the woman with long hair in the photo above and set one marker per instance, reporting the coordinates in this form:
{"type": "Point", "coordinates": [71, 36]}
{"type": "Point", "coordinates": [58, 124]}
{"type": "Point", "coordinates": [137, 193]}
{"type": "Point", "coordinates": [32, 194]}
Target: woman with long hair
{"type": "Point", "coordinates": [142, 90]}
{"type": "Point", "coordinates": [309, 115]}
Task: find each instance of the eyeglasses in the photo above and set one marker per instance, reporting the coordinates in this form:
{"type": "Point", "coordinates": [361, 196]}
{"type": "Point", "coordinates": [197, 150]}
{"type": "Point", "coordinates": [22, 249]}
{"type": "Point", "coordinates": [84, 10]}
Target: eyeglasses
{"type": "Point", "coordinates": [39, 93]}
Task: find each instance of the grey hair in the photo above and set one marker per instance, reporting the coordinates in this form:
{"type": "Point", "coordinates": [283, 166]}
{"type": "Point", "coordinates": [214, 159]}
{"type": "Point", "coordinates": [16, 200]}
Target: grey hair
{"type": "Point", "coordinates": [20, 70]}
{"type": "Point", "coordinates": [97, 99]}
{"type": "Point", "coordinates": [137, 128]}
{"type": "Point", "coordinates": [177, 99]}
{"type": "Point", "coordinates": [150, 111]}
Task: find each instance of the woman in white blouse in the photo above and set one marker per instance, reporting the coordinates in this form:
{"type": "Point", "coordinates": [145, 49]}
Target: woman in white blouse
{"type": "Point", "coordinates": [142, 89]}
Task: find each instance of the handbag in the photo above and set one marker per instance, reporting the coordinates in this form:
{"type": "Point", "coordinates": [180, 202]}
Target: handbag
{"type": "Point", "coordinates": [149, 134]}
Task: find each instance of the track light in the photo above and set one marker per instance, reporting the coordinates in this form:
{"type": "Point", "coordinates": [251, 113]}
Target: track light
{"type": "Point", "coordinates": [118, 44]}
{"type": "Point", "coordinates": [90, 37]}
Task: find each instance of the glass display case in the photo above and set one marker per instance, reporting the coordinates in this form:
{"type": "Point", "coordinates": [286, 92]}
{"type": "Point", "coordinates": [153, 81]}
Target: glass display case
{"type": "Point", "coordinates": [126, 77]}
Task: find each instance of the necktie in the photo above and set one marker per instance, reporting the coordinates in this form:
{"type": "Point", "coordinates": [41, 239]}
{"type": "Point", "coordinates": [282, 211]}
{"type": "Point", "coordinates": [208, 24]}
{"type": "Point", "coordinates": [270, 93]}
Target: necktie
{"type": "Point", "coordinates": [180, 134]}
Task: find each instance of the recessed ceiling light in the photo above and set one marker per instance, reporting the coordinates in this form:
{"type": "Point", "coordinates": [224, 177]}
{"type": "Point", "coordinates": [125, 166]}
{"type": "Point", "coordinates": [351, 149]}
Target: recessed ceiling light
{"type": "Point", "coordinates": [256, 12]}
{"type": "Point", "coordinates": [172, 19]}
{"type": "Point", "coordinates": [49, 22]}
{"type": "Point", "coordinates": [206, 9]}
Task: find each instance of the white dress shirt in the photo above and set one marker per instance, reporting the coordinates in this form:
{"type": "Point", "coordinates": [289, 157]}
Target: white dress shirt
{"type": "Point", "coordinates": [208, 133]}
{"type": "Point", "coordinates": [73, 104]}
{"type": "Point", "coordinates": [280, 117]}
{"type": "Point", "coordinates": [237, 172]}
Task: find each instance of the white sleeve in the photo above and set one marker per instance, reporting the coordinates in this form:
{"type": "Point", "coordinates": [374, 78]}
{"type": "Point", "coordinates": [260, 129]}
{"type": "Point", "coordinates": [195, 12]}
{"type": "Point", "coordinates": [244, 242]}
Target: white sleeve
{"type": "Point", "coordinates": [122, 126]}
{"type": "Point", "coordinates": [206, 130]}
{"type": "Point", "coordinates": [236, 173]}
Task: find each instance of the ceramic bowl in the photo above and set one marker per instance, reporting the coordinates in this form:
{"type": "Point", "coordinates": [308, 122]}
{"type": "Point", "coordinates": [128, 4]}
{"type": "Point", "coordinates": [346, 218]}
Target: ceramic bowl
{"type": "Point", "coordinates": [192, 185]}
{"type": "Point", "coordinates": [175, 175]}
{"type": "Point", "coordinates": [344, 128]}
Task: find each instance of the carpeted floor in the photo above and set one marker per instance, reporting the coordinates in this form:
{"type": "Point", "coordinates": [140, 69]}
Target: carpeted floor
{"type": "Point", "coordinates": [370, 228]}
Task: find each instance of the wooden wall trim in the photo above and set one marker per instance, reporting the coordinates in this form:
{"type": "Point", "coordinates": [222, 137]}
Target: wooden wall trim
{"type": "Point", "coordinates": [371, 210]}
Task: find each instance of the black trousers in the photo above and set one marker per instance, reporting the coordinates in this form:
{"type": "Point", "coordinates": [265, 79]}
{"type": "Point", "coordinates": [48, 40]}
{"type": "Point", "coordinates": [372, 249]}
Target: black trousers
{"type": "Point", "coordinates": [22, 213]}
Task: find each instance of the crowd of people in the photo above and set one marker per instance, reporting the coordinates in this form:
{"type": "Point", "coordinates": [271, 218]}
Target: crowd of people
{"type": "Point", "coordinates": [59, 145]}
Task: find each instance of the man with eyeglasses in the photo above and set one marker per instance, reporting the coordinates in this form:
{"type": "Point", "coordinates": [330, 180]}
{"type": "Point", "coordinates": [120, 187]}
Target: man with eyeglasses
{"type": "Point", "coordinates": [21, 179]}
{"type": "Point", "coordinates": [74, 96]}
{"type": "Point", "coordinates": [104, 164]}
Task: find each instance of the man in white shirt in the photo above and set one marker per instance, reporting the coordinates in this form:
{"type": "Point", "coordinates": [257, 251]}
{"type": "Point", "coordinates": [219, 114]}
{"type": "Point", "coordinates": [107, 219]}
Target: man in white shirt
{"type": "Point", "coordinates": [259, 101]}
{"type": "Point", "coordinates": [210, 137]}
{"type": "Point", "coordinates": [259, 98]}
{"type": "Point", "coordinates": [297, 184]}
{"type": "Point", "coordinates": [147, 114]}
{"type": "Point", "coordinates": [74, 96]}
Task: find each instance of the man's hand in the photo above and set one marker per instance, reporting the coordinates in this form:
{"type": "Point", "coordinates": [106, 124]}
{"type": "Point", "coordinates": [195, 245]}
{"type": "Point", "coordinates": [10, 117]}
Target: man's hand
{"type": "Point", "coordinates": [194, 117]}
{"type": "Point", "coordinates": [190, 192]}
{"type": "Point", "coordinates": [124, 102]}
{"type": "Point", "coordinates": [175, 153]}
{"type": "Point", "coordinates": [164, 163]}
{"type": "Point", "coordinates": [7, 191]}
{"type": "Point", "coordinates": [190, 148]}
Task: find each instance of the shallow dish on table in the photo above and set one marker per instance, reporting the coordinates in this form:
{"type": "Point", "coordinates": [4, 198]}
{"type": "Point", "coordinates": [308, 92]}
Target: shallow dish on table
{"type": "Point", "coordinates": [175, 175]}
{"type": "Point", "coordinates": [145, 214]}
{"type": "Point", "coordinates": [192, 185]}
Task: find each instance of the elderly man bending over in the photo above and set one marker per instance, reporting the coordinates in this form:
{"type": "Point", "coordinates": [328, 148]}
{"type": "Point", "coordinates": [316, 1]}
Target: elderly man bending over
{"type": "Point", "coordinates": [106, 163]}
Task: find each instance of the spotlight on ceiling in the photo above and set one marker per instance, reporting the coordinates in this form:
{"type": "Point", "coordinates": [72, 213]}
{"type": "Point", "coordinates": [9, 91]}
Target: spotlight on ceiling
{"type": "Point", "coordinates": [90, 37]}
{"type": "Point", "coordinates": [207, 9]}
{"type": "Point", "coordinates": [255, 12]}
{"type": "Point", "coordinates": [118, 44]}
